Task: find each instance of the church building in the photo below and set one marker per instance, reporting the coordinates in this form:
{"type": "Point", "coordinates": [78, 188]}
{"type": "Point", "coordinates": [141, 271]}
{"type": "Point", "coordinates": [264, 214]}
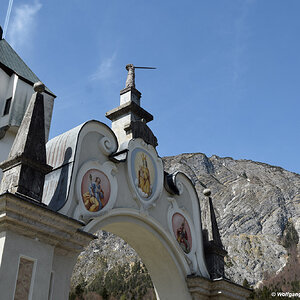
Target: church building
{"type": "Point", "coordinates": [16, 89]}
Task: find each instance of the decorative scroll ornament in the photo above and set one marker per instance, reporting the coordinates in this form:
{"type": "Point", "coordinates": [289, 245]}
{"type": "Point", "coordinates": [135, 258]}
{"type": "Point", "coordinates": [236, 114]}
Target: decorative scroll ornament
{"type": "Point", "coordinates": [172, 184]}
{"type": "Point", "coordinates": [106, 146]}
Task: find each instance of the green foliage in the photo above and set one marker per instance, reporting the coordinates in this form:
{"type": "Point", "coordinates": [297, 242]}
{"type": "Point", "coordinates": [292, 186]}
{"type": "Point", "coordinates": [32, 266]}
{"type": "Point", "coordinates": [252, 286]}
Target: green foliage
{"type": "Point", "coordinates": [288, 279]}
{"type": "Point", "coordinates": [104, 294]}
{"type": "Point", "coordinates": [263, 294]}
{"type": "Point", "coordinates": [122, 282]}
{"type": "Point", "coordinates": [290, 236]}
{"type": "Point", "coordinates": [77, 292]}
{"type": "Point", "coordinates": [72, 296]}
{"type": "Point", "coordinates": [228, 262]}
{"type": "Point", "coordinates": [295, 286]}
{"type": "Point", "coordinates": [246, 284]}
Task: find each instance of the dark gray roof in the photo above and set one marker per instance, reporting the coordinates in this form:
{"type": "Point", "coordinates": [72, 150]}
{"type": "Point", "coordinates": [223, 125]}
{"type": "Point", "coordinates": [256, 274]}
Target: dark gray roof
{"type": "Point", "coordinates": [11, 60]}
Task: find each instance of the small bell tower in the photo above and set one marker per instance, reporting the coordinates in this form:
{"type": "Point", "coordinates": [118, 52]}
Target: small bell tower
{"type": "Point", "coordinates": [129, 119]}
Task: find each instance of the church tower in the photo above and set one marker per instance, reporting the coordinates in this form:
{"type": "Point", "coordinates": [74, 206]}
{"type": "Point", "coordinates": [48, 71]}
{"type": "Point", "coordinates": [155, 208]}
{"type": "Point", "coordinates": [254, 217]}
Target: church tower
{"type": "Point", "coordinates": [16, 90]}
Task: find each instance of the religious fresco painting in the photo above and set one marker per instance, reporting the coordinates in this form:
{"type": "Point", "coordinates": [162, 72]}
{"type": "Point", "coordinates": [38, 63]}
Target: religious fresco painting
{"type": "Point", "coordinates": [95, 190]}
{"type": "Point", "coordinates": [144, 173]}
{"type": "Point", "coordinates": [182, 232]}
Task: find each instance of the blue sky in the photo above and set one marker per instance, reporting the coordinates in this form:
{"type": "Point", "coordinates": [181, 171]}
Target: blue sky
{"type": "Point", "coordinates": [227, 78]}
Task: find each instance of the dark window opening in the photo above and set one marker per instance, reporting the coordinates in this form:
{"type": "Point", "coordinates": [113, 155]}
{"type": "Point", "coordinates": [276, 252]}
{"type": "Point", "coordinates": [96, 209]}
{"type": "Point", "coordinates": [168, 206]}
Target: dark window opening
{"type": "Point", "coordinates": [7, 106]}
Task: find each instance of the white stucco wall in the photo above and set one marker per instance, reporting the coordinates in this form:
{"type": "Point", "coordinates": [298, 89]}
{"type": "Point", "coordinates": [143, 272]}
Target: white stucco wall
{"type": "Point", "coordinates": [62, 270]}
{"type": "Point", "coordinates": [16, 246]}
{"type": "Point", "coordinates": [4, 82]}
{"type": "Point", "coordinates": [8, 88]}
{"type": "Point", "coordinates": [2, 242]}
{"type": "Point", "coordinates": [118, 126]}
{"type": "Point", "coordinates": [21, 97]}
{"type": "Point", "coordinates": [5, 145]}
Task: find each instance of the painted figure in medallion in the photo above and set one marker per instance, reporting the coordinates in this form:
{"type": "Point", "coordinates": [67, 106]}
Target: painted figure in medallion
{"type": "Point", "coordinates": [95, 189]}
{"type": "Point", "coordinates": [182, 232]}
{"type": "Point", "coordinates": [182, 238]}
{"type": "Point", "coordinates": [144, 173]}
{"type": "Point", "coordinates": [144, 181]}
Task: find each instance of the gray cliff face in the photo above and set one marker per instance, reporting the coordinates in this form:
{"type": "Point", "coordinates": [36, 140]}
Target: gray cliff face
{"type": "Point", "coordinates": [253, 203]}
{"type": "Point", "coordinates": [102, 254]}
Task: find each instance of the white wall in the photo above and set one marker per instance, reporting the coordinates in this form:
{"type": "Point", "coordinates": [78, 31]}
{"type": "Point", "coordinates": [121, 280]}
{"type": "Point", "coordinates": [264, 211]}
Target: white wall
{"type": "Point", "coordinates": [5, 145]}
{"type": "Point", "coordinates": [2, 242]}
{"type": "Point", "coordinates": [20, 101]}
{"type": "Point", "coordinates": [16, 246]}
{"type": "Point", "coordinates": [21, 93]}
{"type": "Point", "coordinates": [4, 81]}
{"type": "Point", "coordinates": [62, 270]}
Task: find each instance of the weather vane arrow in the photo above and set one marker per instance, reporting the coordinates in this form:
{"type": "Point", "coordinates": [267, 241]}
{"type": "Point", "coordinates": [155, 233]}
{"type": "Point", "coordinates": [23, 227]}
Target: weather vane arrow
{"type": "Point", "coordinates": [130, 81]}
{"type": "Point", "coordinates": [144, 67]}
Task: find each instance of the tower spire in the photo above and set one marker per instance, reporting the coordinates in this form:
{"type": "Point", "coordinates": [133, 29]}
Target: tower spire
{"type": "Point", "coordinates": [24, 170]}
{"type": "Point", "coordinates": [129, 119]}
{"type": "Point", "coordinates": [213, 247]}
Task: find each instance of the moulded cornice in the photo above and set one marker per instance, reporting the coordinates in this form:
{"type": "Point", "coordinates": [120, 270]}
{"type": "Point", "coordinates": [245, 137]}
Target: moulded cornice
{"type": "Point", "coordinates": [203, 288]}
{"type": "Point", "coordinates": [127, 108]}
{"type": "Point", "coordinates": [38, 222]}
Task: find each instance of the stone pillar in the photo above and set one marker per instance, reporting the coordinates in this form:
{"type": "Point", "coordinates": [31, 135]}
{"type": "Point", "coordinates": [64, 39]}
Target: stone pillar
{"type": "Point", "coordinates": [24, 170]}
{"type": "Point", "coordinates": [213, 247]}
{"type": "Point", "coordinates": [38, 250]}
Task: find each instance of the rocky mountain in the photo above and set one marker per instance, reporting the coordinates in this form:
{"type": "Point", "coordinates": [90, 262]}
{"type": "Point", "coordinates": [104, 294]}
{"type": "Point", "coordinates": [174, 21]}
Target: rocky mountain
{"type": "Point", "coordinates": [256, 206]}
{"type": "Point", "coordinates": [254, 203]}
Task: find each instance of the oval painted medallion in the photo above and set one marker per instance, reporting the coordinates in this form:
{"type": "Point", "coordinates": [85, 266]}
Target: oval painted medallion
{"type": "Point", "coordinates": [144, 173]}
{"type": "Point", "coordinates": [95, 190]}
{"type": "Point", "coordinates": [182, 232]}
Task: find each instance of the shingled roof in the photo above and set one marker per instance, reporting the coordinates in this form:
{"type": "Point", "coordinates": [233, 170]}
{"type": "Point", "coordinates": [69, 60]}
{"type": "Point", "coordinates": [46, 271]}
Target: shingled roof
{"type": "Point", "coordinates": [11, 62]}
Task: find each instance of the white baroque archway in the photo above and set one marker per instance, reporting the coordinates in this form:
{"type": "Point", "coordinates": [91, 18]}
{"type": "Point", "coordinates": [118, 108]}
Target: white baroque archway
{"type": "Point", "coordinates": [127, 192]}
{"type": "Point", "coordinates": [158, 252]}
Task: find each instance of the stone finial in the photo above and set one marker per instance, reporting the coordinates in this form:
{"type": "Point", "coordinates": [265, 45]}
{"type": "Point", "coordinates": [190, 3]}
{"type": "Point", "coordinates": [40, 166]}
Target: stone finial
{"type": "Point", "coordinates": [130, 81]}
{"type": "Point", "coordinates": [24, 170]}
{"type": "Point", "coordinates": [214, 225]}
{"type": "Point", "coordinates": [207, 192]}
{"type": "Point", "coordinates": [39, 87]}
{"type": "Point", "coordinates": [213, 247]}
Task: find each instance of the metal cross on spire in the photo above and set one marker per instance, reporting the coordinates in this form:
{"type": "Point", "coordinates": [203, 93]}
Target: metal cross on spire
{"type": "Point", "coordinates": [130, 81]}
